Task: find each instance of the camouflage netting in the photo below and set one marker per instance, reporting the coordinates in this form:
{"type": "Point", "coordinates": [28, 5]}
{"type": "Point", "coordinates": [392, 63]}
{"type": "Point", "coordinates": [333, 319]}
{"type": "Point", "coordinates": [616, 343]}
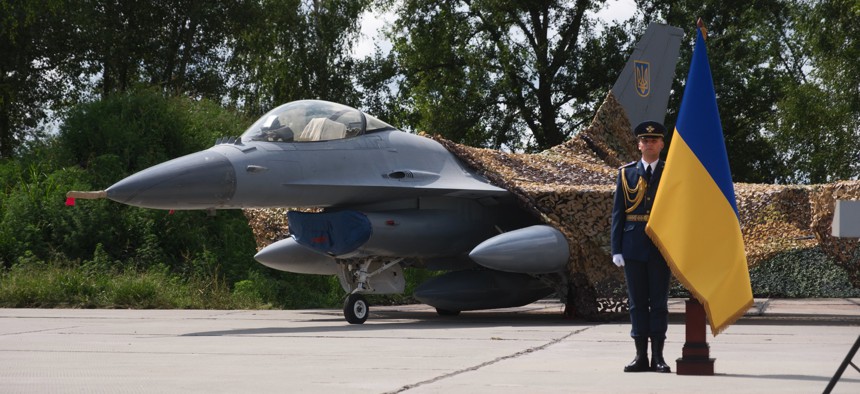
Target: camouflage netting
{"type": "Point", "coordinates": [779, 218]}
{"type": "Point", "coordinates": [845, 251]}
{"type": "Point", "coordinates": [270, 225]}
{"type": "Point", "coordinates": [570, 187]}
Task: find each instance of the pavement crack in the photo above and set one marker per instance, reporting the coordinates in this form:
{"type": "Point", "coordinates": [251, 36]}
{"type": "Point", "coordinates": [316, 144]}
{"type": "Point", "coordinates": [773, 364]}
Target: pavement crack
{"type": "Point", "coordinates": [487, 363]}
{"type": "Point", "coordinates": [38, 331]}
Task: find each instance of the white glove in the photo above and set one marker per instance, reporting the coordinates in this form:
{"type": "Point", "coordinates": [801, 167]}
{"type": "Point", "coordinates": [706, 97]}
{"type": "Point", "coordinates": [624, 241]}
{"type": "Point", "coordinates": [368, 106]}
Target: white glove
{"type": "Point", "coordinates": [618, 260]}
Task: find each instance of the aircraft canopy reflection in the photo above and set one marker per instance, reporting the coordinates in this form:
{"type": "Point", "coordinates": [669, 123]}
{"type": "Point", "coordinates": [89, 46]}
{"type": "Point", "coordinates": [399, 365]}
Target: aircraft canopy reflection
{"type": "Point", "coordinates": [312, 120]}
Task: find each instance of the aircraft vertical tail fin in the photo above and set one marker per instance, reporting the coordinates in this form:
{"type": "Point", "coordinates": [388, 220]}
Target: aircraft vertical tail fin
{"type": "Point", "coordinates": [645, 83]}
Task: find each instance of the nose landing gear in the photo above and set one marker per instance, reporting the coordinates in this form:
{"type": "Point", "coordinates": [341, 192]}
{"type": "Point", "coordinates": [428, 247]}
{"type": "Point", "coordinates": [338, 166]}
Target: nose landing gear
{"type": "Point", "coordinates": [357, 280]}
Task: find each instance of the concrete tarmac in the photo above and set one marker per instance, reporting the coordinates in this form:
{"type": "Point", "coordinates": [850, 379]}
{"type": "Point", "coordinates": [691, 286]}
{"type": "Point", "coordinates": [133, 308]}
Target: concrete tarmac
{"type": "Point", "coordinates": [779, 346]}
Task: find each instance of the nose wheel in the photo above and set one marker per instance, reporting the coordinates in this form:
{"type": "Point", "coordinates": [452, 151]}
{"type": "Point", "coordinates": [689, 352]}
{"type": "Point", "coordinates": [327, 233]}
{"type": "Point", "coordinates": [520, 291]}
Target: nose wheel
{"type": "Point", "coordinates": [355, 309]}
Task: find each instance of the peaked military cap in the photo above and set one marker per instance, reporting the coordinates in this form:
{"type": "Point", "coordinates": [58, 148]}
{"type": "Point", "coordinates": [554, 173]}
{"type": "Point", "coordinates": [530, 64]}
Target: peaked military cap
{"type": "Point", "coordinates": [650, 128]}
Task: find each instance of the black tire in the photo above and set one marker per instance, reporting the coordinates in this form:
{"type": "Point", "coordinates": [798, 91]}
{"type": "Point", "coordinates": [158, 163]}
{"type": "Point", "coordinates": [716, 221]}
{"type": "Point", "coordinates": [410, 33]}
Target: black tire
{"type": "Point", "coordinates": [446, 312]}
{"type": "Point", "coordinates": [355, 309]}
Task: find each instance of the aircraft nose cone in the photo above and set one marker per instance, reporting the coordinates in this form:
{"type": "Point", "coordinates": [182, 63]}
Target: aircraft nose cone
{"type": "Point", "coordinates": [200, 180]}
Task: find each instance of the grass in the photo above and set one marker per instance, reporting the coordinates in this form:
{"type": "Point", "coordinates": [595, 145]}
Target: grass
{"type": "Point", "coordinates": [32, 283]}
{"type": "Point", "coordinates": [48, 286]}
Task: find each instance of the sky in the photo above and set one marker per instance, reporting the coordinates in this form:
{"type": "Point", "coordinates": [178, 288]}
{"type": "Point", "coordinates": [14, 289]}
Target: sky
{"type": "Point", "coordinates": [372, 22]}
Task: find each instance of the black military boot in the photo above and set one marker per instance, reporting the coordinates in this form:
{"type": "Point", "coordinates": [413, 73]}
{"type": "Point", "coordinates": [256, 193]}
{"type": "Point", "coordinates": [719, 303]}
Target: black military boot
{"type": "Point", "coordinates": [657, 362]}
{"type": "Point", "coordinates": [640, 363]}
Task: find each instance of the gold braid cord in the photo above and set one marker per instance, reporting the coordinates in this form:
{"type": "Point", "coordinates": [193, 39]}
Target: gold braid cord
{"type": "Point", "coordinates": [637, 192]}
{"type": "Point", "coordinates": [571, 187]}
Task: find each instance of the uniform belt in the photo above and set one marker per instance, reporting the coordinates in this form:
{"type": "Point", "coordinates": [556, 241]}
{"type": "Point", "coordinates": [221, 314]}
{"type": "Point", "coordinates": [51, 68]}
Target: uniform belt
{"type": "Point", "coordinates": [637, 218]}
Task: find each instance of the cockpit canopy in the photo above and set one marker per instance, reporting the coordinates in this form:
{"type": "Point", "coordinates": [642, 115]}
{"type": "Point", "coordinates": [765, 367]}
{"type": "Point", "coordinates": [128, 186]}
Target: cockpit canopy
{"type": "Point", "coordinates": [312, 120]}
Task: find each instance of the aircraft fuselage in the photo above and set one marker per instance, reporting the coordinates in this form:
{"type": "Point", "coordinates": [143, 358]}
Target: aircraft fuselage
{"type": "Point", "coordinates": [373, 168]}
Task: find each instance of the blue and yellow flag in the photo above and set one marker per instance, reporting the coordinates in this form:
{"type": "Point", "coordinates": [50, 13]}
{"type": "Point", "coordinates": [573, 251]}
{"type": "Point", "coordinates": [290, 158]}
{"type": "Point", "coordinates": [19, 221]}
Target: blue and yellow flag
{"type": "Point", "coordinates": [694, 221]}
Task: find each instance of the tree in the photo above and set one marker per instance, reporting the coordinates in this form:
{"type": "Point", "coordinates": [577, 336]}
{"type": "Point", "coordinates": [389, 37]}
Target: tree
{"type": "Point", "coordinates": [818, 131]}
{"type": "Point", "coordinates": [286, 50]}
{"type": "Point", "coordinates": [497, 73]}
{"type": "Point", "coordinates": [191, 58]}
{"type": "Point", "coordinates": [744, 44]}
{"type": "Point", "coordinates": [785, 75]}
{"type": "Point", "coordinates": [174, 44]}
{"type": "Point", "coordinates": [34, 41]}
{"type": "Point", "coordinates": [58, 51]}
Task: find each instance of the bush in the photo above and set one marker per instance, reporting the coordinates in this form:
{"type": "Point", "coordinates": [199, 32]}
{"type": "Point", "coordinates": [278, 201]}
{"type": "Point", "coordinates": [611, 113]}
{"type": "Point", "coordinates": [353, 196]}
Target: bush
{"type": "Point", "coordinates": [32, 283]}
{"type": "Point", "coordinates": [100, 143]}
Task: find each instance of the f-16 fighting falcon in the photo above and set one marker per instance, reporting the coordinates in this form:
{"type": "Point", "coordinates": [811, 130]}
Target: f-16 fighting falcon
{"type": "Point", "coordinates": [387, 199]}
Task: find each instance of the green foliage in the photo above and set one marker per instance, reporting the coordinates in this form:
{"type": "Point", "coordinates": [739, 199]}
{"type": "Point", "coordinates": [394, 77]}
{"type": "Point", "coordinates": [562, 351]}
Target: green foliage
{"type": "Point", "coordinates": [34, 283]}
{"type": "Point", "coordinates": [786, 83]}
{"type": "Point", "coordinates": [498, 73]}
{"type": "Point", "coordinates": [247, 290]}
{"type": "Point", "coordinates": [745, 48]}
{"type": "Point", "coordinates": [822, 124]}
{"type": "Point", "coordinates": [287, 50]}
{"type": "Point", "coordinates": [818, 130]}
{"type": "Point", "coordinates": [34, 217]}
{"type": "Point", "coordinates": [446, 79]}
{"type": "Point", "coordinates": [35, 40]}
{"type": "Point", "coordinates": [110, 139]}
{"type": "Point", "coordinates": [136, 130]}
{"type": "Point", "coordinates": [289, 291]}
{"type": "Point", "coordinates": [172, 44]}
{"type": "Point", "coordinates": [104, 283]}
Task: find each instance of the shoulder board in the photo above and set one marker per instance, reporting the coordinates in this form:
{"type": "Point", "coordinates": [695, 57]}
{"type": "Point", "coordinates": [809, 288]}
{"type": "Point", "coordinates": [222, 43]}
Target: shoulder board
{"type": "Point", "coordinates": [630, 164]}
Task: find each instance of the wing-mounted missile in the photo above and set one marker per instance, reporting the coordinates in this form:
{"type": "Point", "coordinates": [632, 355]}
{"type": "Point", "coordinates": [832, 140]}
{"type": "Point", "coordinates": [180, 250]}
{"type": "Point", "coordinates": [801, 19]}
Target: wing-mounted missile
{"type": "Point", "coordinates": [288, 255]}
{"type": "Point", "coordinates": [532, 250]}
{"type": "Point", "coordinates": [480, 289]}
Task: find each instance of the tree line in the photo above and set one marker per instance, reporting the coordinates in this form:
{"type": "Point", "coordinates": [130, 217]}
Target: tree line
{"type": "Point", "coordinates": [94, 90]}
{"type": "Point", "coordinates": [515, 75]}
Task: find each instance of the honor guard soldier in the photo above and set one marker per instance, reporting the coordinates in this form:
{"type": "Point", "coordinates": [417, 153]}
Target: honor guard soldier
{"type": "Point", "coordinates": [645, 269]}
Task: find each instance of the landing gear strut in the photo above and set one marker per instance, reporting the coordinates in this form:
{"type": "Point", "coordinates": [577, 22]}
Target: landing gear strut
{"type": "Point", "coordinates": [356, 279]}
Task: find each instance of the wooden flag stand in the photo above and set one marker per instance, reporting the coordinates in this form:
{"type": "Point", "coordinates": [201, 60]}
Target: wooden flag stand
{"type": "Point", "coordinates": [695, 356]}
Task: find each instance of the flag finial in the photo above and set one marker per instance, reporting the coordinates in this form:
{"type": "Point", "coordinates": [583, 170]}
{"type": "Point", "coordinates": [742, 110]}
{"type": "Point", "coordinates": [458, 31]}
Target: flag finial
{"type": "Point", "coordinates": [701, 25]}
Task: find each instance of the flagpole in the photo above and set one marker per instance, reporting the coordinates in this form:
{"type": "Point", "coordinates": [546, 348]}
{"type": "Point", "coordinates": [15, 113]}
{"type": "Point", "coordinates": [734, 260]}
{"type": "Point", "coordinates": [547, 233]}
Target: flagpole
{"type": "Point", "coordinates": [695, 356]}
{"type": "Point", "coordinates": [696, 175]}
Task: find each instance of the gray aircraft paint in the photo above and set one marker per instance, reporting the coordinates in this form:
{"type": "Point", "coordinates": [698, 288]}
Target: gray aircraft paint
{"type": "Point", "coordinates": [513, 251]}
{"type": "Point", "coordinates": [659, 49]}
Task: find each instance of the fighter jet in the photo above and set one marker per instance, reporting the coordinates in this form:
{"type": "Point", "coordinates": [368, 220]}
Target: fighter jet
{"type": "Point", "coordinates": [387, 199]}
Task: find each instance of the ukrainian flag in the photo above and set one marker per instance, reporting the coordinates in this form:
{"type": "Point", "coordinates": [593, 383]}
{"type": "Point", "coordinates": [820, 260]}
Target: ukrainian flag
{"type": "Point", "coordinates": [694, 221]}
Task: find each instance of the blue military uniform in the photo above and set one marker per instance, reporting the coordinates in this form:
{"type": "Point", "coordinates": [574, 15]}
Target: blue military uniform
{"type": "Point", "coordinates": [645, 268]}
